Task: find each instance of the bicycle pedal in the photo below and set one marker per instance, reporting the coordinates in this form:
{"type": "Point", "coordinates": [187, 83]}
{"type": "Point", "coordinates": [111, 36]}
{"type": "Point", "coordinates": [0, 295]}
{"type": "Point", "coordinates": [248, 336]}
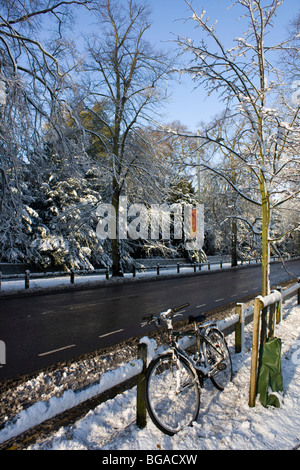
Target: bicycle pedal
{"type": "Point", "coordinates": [221, 366]}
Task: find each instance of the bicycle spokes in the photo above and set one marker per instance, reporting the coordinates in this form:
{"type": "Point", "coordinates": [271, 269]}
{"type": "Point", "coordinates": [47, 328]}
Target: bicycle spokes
{"type": "Point", "coordinates": [173, 395]}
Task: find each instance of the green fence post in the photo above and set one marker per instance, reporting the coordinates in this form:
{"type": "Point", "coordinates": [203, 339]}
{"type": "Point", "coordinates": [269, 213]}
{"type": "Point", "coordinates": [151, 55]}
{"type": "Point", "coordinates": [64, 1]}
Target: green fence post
{"type": "Point", "coordinates": [258, 305]}
{"type": "Point", "coordinates": [141, 413]}
{"type": "Point", "coordinates": [239, 328]}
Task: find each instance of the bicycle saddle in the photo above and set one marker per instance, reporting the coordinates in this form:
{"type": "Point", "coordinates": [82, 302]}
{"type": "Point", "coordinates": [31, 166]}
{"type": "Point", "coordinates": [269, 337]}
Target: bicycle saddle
{"type": "Point", "coordinates": [198, 318]}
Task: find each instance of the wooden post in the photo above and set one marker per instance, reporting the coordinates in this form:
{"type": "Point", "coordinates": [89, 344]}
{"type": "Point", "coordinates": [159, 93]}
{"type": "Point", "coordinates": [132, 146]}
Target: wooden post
{"type": "Point", "coordinates": [72, 276]}
{"type": "Point", "coordinates": [157, 269]}
{"type": "Point", "coordinates": [272, 320]}
{"type": "Point", "coordinates": [239, 328]}
{"type": "Point", "coordinates": [254, 353]}
{"type": "Point", "coordinates": [141, 412]}
{"type": "Point", "coordinates": [264, 326]}
{"type": "Point", "coordinates": [133, 271]}
{"type": "Point", "coordinates": [177, 268]}
{"type": "Point", "coordinates": [279, 307]}
{"type": "Point", "coordinates": [27, 275]}
{"type": "Point", "coordinates": [107, 273]}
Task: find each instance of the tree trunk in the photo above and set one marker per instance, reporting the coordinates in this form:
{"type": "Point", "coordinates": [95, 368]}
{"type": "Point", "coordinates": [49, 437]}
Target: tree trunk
{"type": "Point", "coordinates": [234, 243]}
{"type": "Point", "coordinates": [117, 269]}
{"type": "Point", "coordinates": [265, 241]}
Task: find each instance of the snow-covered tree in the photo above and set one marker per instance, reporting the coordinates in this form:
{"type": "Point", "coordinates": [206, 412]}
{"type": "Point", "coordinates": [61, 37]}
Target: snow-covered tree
{"type": "Point", "coordinates": [251, 84]}
{"type": "Point", "coordinates": [62, 221]}
{"type": "Point", "coordinates": [31, 81]}
{"type": "Point", "coordinates": [125, 72]}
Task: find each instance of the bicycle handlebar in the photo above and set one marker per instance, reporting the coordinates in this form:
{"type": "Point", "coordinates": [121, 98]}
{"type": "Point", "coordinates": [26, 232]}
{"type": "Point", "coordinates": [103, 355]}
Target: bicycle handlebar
{"type": "Point", "coordinates": [163, 315]}
{"type": "Point", "coordinates": [176, 309]}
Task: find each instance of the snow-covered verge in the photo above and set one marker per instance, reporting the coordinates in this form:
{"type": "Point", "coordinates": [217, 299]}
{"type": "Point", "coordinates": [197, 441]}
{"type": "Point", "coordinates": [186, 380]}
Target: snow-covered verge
{"type": "Point", "coordinates": [16, 284]}
{"type": "Point", "coordinates": [225, 420]}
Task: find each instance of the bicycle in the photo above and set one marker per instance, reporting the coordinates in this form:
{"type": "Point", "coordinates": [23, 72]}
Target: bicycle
{"type": "Point", "coordinates": [174, 378]}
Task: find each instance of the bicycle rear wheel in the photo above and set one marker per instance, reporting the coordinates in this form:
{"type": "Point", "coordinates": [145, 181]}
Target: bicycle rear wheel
{"type": "Point", "coordinates": [172, 393]}
{"type": "Point", "coordinates": [218, 355]}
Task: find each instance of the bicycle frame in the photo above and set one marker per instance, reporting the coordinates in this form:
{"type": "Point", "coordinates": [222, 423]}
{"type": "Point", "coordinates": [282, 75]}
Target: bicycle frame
{"type": "Point", "coordinates": [200, 334]}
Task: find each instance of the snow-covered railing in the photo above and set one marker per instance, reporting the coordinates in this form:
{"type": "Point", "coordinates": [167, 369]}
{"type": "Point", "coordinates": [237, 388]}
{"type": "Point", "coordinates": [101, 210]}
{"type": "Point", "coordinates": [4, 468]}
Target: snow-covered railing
{"type": "Point", "coordinates": [267, 312]}
{"type": "Point", "coordinates": [73, 274]}
{"type": "Point", "coordinates": [197, 266]}
{"type": "Point", "coordinates": [234, 323]}
{"type": "Point", "coordinates": [29, 276]}
{"type": "Point", "coordinates": [45, 410]}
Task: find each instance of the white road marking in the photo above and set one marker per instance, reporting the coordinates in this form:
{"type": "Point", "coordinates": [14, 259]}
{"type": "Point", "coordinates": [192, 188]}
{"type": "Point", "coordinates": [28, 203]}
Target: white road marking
{"type": "Point", "coordinates": [199, 306]}
{"type": "Point", "coordinates": [111, 333]}
{"type": "Point", "coordinates": [57, 350]}
{"type": "Point", "coordinates": [219, 300]}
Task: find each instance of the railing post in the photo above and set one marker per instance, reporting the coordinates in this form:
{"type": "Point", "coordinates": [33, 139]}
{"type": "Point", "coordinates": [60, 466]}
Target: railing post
{"type": "Point", "coordinates": [264, 326]}
{"type": "Point", "coordinates": [254, 353]}
{"type": "Point", "coordinates": [272, 313]}
{"type": "Point", "coordinates": [239, 328]}
{"type": "Point", "coordinates": [27, 275]}
{"type": "Point", "coordinates": [141, 412]}
{"type": "Point", "coordinates": [279, 307]}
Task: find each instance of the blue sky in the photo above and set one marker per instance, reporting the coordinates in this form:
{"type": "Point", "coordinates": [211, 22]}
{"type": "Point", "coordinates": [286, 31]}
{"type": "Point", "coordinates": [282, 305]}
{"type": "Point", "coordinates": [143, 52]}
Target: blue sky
{"type": "Point", "coordinates": [188, 105]}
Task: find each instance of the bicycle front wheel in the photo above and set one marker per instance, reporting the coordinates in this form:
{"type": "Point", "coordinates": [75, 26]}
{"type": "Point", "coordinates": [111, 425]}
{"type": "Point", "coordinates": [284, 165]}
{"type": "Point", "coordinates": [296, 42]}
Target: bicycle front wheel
{"type": "Point", "coordinates": [172, 393]}
{"type": "Point", "coordinates": [218, 358]}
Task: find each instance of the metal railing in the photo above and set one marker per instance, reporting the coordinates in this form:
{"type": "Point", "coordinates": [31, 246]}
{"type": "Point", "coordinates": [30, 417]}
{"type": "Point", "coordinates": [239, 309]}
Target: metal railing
{"type": "Point", "coordinates": [73, 274]}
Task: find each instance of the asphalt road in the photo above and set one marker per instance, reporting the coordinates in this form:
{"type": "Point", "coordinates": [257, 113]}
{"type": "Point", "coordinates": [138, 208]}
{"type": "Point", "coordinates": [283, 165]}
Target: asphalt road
{"type": "Point", "coordinates": [39, 331]}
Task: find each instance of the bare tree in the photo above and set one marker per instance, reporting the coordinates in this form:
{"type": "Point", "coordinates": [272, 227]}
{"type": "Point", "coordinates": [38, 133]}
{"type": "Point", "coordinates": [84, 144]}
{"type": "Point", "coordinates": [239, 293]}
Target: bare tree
{"type": "Point", "coordinates": [125, 73]}
{"type": "Point", "coordinates": [291, 57]}
{"type": "Point", "coordinates": [251, 85]}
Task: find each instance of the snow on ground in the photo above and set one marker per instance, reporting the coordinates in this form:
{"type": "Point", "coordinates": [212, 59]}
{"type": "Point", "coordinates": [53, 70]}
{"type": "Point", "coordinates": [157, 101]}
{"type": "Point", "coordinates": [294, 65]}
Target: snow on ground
{"type": "Point", "coordinates": [225, 420]}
